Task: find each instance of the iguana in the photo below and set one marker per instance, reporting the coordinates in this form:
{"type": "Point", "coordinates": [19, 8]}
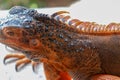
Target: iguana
{"type": "Point", "coordinates": [68, 48]}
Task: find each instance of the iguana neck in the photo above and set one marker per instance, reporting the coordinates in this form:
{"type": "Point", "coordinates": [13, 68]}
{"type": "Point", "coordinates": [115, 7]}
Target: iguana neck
{"type": "Point", "coordinates": [62, 38]}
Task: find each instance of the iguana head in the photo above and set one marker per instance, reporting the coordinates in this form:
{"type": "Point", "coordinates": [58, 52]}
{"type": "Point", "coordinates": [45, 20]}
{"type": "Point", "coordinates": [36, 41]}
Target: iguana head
{"type": "Point", "coordinates": [35, 34]}
{"type": "Point", "coordinates": [19, 30]}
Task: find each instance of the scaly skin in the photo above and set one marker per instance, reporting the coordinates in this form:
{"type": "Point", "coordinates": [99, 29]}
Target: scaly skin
{"type": "Point", "coordinates": [79, 51]}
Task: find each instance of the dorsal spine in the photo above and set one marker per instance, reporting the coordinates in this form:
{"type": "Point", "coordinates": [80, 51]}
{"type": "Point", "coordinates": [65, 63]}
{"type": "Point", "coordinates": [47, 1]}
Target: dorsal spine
{"type": "Point", "coordinates": [87, 27]}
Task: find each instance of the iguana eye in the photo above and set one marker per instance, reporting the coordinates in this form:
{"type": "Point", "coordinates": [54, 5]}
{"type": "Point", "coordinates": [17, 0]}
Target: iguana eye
{"type": "Point", "coordinates": [10, 33]}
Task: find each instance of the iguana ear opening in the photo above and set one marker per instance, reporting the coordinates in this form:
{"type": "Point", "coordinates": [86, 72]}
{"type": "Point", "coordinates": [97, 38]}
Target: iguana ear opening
{"type": "Point", "coordinates": [34, 43]}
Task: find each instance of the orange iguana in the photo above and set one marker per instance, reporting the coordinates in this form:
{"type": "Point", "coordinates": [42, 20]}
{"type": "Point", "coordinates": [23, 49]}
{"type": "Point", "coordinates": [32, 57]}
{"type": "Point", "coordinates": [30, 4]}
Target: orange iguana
{"type": "Point", "coordinates": [68, 48]}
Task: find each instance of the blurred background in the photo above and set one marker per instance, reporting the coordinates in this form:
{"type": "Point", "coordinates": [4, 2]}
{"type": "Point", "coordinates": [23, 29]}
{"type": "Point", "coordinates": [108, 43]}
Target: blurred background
{"type": "Point", "coordinates": [6, 4]}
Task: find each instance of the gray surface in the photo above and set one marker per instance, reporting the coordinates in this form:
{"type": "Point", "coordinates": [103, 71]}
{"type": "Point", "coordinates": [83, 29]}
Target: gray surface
{"type": "Point", "coordinates": [100, 11]}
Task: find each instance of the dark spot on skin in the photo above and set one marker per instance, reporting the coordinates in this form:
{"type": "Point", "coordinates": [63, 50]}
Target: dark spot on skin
{"type": "Point", "coordinates": [50, 39]}
{"type": "Point", "coordinates": [32, 12]}
{"type": "Point", "coordinates": [70, 36]}
{"type": "Point", "coordinates": [50, 34]}
{"type": "Point", "coordinates": [55, 50]}
{"type": "Point", "coordinates": [46, 28]}
{"type": "Point", "coordinates": [61, 35]}
{"type": "Point", "coordinates": [56, 42]}
{"type": "Point", "coordinates": [43, 15]}
{"type": "Point", "coordinates": [49, 46]}
{"type": "Point", "coordinates": [60, 44]}
{"type": "Point", "coordinates": [10, 33]}
{"type": "Point", "coordinates": [81, 49]}
{"type": "Point", "coordinates": [39, 24]}
{"type": "Point", "coordinates": [31, 32]}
